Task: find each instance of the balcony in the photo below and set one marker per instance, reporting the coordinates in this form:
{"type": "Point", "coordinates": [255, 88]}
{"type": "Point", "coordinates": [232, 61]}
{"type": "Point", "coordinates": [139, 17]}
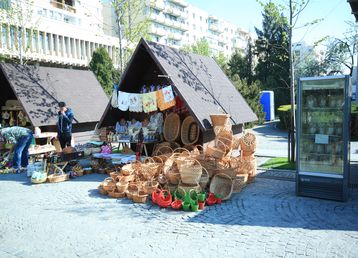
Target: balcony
{"type": "Point", "coordinates": [175, 36]}
{"type": "Point", "coordinates": [179, 2]}
{"type": "Point", "coordinates": [173, 11]}
{"type": "Point", "coordinates": [158, 31]}
{"type": "Point", "coordinates": [157, 18]}
{"type": "Point", "coordinates": [213, 18]}
{"type": "Point", "coordinates": [62, 5]}
{"type": "Point", "coordinates": [215, 27]}
{"type": "Point", "coordinates": [158, 5]}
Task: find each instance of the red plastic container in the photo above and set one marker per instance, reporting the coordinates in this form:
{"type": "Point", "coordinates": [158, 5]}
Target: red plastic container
{"type": "Point", "coordinates": [201, 205]}
{"type": "Point", "coordinates": [155, 195]}
{"type": "Point", "coordinates": [177, 204]}
{"type": "Point", "coordinates": [164, 199]}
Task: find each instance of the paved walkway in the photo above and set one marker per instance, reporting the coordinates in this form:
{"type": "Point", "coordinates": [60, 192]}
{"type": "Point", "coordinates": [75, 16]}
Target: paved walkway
{"type": "Point", "coordinates": [272, 142]}
{"type": "Point", "coordinates": [266, 219]}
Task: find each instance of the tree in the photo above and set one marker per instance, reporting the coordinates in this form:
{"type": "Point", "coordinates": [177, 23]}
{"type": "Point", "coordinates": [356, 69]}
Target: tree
{"type": "Point", "coordinates": [251, 93]}
{"type": "Point", "coordinates": [18, 16]}
{"type": "Point", "coordinates": [102, 66]}
{"type": "Point", "coordinates": [271, 47]}
{"type": "Point", "coordinates": [222, 61]}
{"type": "Point", "coordinates": [309, 66]}
{"type": "Point", "coordinates": [200, 47]}
{"type": "Point", "coordinates": [133, 24]}
{"type": "Point", "coordinates": [242, 65]}
{"type": "Point", "coordinates": [341, 53]}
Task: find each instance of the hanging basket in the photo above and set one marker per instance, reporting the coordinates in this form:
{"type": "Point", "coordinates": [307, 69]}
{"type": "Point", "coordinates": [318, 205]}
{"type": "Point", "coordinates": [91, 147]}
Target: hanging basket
{"type": "Point", "coordinates": [190, 131]}
{"type": "Point", "coordinates": [221, 185]}
{"type": "Point", "coordinates": [219, 119]}
{"type": "Point", "coordinates": [171, 129]}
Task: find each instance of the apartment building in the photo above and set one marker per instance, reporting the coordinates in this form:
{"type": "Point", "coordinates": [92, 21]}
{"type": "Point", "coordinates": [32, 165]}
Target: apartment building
{"type": "Point", "coordinates": [176, 23]}
{"type": "Point", "coordinates": [58, 31]}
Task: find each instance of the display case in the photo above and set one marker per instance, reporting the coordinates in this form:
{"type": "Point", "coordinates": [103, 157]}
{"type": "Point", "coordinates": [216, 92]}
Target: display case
{"type": "Point", "coordinates": [323, 137]}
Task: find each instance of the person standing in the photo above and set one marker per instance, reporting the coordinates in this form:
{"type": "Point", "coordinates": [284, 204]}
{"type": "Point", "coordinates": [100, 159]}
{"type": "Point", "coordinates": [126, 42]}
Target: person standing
{"type": "Point", "coordinates": [64, 125]}
{"type": "Point", "coordinates": [21, 137]}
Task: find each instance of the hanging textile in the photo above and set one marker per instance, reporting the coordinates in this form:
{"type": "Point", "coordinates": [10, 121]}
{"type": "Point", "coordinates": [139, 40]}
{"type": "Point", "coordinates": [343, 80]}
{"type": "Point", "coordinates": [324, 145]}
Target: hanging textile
{"type": "Point", "coordinates": [114, 100]}
{"type": "Point", "coordinates": [162, 105]}
{"type": "Point", "coordinates": [149, 102]}
{"type": "Point", "coordinates": [135, 103]}
{"type": "Point", "coordinates": [168, 94]}
{"type": "Point", "coordinates": [123, 100]}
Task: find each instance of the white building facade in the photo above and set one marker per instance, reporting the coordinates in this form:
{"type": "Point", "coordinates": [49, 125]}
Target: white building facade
{"type": "Point", "coordinates": [60, 31]}
{"type": "Point", "coordinates": [175, 23]}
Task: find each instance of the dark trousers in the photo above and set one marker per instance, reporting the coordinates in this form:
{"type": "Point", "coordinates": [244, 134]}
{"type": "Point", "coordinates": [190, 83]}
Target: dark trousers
{"type": "Point", "coordinates": [21, 151]}
{"type": "Point", "coordinates": [65, 139]}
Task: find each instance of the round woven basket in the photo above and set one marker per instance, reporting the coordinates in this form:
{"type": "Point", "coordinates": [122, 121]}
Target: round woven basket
{"type": "Point", "coordinates": [213, 151]}
{"type": "Point", "coordinates": [189, 131]}
{"type": "Point", "coordinates": [222, 185]}
{"type": "Point", "coordinates": [190, 171]}
{"type": "Point", "coordinates": [171, 129]}
{"type": "Point", "coordinates": [171, 170]}
{"type": "Point", "coordinates": [247, 165]}
{"type": "Point", "coordinates": [239, 182]}
{"type": "Point", "coordinates": [248, 143]}
{"type": "Point", "coordinates": [219, 119]}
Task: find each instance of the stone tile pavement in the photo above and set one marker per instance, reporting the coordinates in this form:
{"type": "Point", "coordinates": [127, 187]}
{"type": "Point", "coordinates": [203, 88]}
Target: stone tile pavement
{"type": "Point", "coordinates": [266, 219]}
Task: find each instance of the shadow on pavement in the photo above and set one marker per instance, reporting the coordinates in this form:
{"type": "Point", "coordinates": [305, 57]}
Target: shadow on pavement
{"type": "Point", "coordinates": [267, 203]}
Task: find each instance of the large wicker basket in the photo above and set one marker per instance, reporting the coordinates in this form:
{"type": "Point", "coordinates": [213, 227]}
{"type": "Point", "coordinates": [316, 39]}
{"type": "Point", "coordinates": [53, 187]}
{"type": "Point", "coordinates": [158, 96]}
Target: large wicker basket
{"type": "Point", "coordinates": [171, 170]}
{"type": "Point", "coordinates": [220, 119]}
{"type": "Point", "coordinates": [189, 131]}
{"type": "Point", "coordinates": [239, 182]}
{"type": "Point", "coordinates": [190, 171]}
{"type": "Point", "coordinates": [222, 185]}
{"type": "Point", "coordinates": [171, 129]}
{"type": "Point", "coordinates": [213, 151]}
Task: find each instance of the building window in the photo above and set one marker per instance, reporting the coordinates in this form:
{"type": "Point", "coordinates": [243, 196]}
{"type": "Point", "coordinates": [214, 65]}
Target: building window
{"type": "Point", "coordinates": [4, 35]}
{"type": "Point", "coordinates": [201, 18]}
{"type": "Point", "coordinates": [34, 39]}
{"type": "Point", "coordinates": [41, 38]}
{"type": "Point", "coordinates": [28, 39]}
{"type": "Point", "coordinates": [194, 27]}
{"type": "Point", "coordinates": [48, 42]}
{"type": "Point", "coordinates": [12, 37]}
{"type": "Point", "coordinates": [193, 15]}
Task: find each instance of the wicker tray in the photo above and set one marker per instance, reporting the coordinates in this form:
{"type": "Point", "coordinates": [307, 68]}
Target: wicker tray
{"type": "Point", "coordinates": [171, 129]}
{"type": "Point", "coordinates": [57, 178]}
{"type": "Point", "coordinates": [222, 184]}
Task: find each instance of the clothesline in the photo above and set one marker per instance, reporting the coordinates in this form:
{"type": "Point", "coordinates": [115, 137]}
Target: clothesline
{"type": "Point", "coordinates": [144, 102]}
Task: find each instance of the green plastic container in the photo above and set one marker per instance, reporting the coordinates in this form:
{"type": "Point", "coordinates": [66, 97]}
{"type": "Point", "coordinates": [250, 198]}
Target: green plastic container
{"type": "Point", "coordinates": [186, 206]}
{"type": "Point", "coordinates": [194, 206]}
{"type": "Point", "coordinates": [201, 197]}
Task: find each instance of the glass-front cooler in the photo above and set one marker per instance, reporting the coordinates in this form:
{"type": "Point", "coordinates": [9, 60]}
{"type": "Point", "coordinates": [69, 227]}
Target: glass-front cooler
{"type": "Point", "coordinates": [323, 137]}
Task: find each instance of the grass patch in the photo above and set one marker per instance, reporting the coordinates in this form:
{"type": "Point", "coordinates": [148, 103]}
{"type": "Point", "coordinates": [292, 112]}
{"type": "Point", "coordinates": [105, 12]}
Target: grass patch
{"type": "Point", "coordinates": [279, 163]}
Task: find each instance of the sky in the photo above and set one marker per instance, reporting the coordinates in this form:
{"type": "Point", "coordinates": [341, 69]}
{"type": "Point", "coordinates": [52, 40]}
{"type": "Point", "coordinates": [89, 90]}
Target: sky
{"type": "Point", "coordinates": [248, 15]}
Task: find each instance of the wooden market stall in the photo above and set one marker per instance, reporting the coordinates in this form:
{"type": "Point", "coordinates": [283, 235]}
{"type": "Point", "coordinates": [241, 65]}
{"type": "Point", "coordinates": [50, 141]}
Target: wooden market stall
{"type": "Point", "coordinates": [34, 92]}
{"type": "Point", "coordinates": [197, 81]}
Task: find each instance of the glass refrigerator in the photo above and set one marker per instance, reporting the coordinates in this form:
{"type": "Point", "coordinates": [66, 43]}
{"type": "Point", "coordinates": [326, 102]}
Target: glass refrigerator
{"type": "Point", "coordinates": [323, 111]}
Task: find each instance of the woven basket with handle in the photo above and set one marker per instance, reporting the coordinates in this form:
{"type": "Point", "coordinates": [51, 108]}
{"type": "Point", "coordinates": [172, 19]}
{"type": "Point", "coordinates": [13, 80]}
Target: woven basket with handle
{"type": "Point", "coordinates": [221, 184]}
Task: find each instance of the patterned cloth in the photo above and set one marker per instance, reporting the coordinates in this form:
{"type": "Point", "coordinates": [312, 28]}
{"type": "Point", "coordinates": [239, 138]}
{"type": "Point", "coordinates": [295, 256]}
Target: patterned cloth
{"type": "Point", "coordinates": [162, 105]}
{"type": "Point", "coordinates": [114, 100]}
{"type": "Point", "coordinates": [135, 103]}
{"type": "Point", "coordinates": [13, 134]}
{"type": "Point", "coordinates": [168, 94]}
{"type": "Point", "coordinates": [149, 102]}
{"type": "Point", "coordinates": [123, 100]}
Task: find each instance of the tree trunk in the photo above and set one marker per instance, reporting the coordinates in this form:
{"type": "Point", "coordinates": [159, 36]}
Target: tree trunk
{"type": "Point", "coordinates": [292, 88]}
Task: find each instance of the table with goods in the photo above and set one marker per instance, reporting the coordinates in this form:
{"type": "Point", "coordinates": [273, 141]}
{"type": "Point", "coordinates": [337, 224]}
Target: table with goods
{"type": "Point", "coordinates": [187, 178]}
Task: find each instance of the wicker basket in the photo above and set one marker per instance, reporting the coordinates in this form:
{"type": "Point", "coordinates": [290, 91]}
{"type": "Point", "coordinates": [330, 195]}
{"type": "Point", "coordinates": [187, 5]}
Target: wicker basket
{"type": "Point", "coordinates": [222, 185]}
{"type": "Point", "coordinates": [150, 186]}
{"type": "Point", "coordinates": [122, 186]}
{"type": "Point", "coordinates": [132, 190]}
{"type": "Point", "coordinates": [131, 168]}
{"type": "Point", "coordinates": [190, 131]}
{"type": "Point", "coordinates": [219, 119]}
{"type": "Point", "coordinates": [188, 187]}
{"type": "Point", "coordinates": [101, 190]}
{"type": "Point", "coordinates": [248, 143]}
{"type": "Point", "coordinates": [116, 194]}
{"type": "Point", "coordinates": [219, 129]}
{"type": "Point", "coordinates": [109, 185]}
{"type": "Point", "coordinates": [163, 150]}
{"type": "Point", "coordinates": [171, 129]}
{"type": "Point", "coordinates": [231, 172]}
{"type": "Point", "coordinates": [150, 168]}
{"type": "Point", "coordinates": [57, 178]}
{"type": "Point", "coordinates": [236, 142]}
{"type": "Point", "coordinates": [247, 165]}
{"type": "Point", "coordinates": [140, 197]}
{"type": "Point", "coordinates": [171, 170]}
{"type": "Point", "coordinates": [190, 171]}
{"type": "Point", "coordinates": [213, 151]}
{"type": "Point", "coordinates": [204, 179]}
{"type": "Point", "coordinates": [239, 182]}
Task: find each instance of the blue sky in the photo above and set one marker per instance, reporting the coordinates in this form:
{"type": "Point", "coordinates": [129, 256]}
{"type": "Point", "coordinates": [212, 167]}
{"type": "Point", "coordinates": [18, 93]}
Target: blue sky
{"type": "Point", "coordinates": [247, 14]}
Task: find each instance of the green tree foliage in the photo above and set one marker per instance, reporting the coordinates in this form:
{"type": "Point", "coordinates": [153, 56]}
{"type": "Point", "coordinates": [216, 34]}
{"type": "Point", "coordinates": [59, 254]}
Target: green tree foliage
{"type": "Point", "coordinates": [200, 47]}
{"type": "Point", "coordinates": [272, 69]}
{"type": "Point", "coordinates": [340, 53]}
{"type": "Point", "coordinates": [222, 61]}
{"type": "Point", "coordinates": [133, 23]}
{"type": "Point", "coordinates": [251, 93]}
{"type": "Point", "coordinates": [102, 66]}
{"type": "Point", "coordinates": [310, 66]}
{"type": "Point", "coordinates": [242, 65]}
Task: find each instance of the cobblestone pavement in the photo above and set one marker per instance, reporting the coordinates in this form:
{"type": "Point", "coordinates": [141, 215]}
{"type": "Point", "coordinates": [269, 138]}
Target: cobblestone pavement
{"type": "Point", "coordinates": [266, 219]}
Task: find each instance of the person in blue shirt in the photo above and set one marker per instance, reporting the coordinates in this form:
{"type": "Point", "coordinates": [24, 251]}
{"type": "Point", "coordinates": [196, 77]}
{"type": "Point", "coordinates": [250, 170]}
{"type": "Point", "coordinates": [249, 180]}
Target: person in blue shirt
{"type": "Point", "coordinates": [21, 139]}
{"type": "Point", "coordinates": [64, 125]}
